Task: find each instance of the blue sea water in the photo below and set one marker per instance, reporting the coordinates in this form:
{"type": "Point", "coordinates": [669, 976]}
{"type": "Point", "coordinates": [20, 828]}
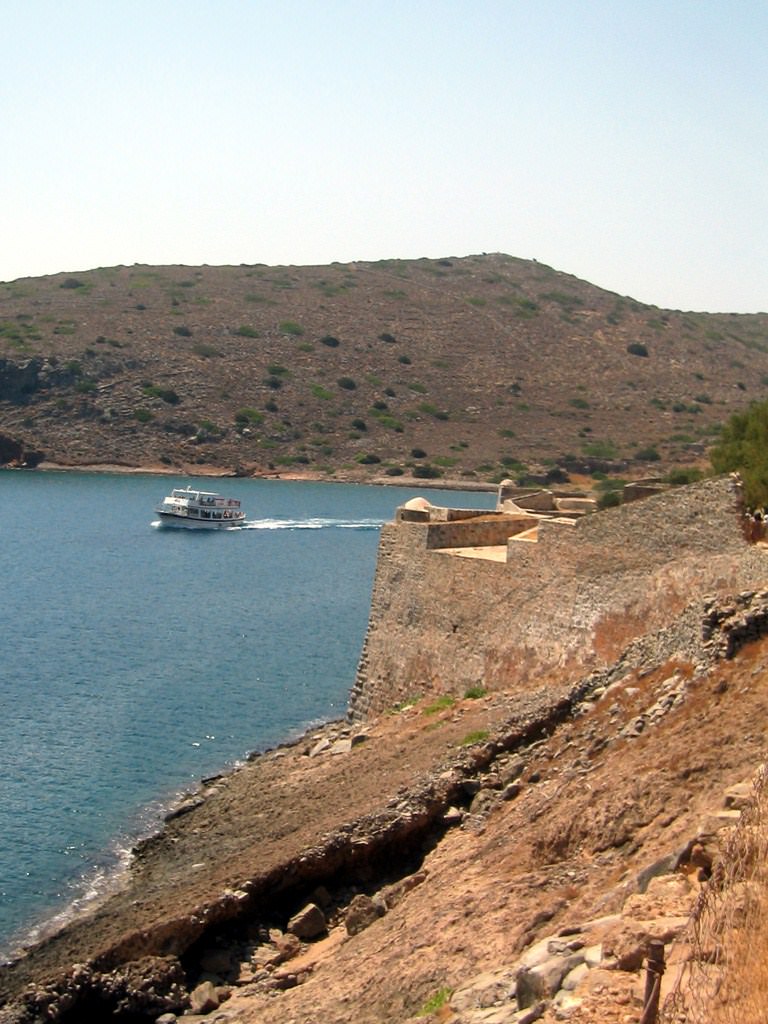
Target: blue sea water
{"type": "Point", "coordinates": [138, 660]}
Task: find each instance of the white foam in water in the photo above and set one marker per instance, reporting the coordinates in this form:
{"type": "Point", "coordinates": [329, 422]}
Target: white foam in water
{"type": "Point", "coordinates": [312, 524]}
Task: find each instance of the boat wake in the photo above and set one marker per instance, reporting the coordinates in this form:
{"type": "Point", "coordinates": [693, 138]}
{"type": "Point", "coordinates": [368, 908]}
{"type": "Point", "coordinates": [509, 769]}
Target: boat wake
{"type": "Point", "coordinates": [316, 523]}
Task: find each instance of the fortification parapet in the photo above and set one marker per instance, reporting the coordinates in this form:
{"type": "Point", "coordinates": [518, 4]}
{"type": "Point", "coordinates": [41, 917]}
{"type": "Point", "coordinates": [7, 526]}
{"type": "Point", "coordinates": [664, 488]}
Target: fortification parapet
{"type": "Point", "coordinates": [567, 601]}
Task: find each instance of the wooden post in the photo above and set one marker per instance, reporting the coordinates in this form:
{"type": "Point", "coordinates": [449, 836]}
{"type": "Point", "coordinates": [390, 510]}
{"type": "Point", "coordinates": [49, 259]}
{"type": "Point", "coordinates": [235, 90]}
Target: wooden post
{"type": "Point", "coordinates": [654, 968]}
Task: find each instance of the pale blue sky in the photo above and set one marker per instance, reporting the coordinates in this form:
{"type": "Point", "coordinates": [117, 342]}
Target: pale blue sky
{"type": "Point", "coordinates": [624, 142]}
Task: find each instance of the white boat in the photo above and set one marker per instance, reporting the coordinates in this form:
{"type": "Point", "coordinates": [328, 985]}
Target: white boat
{"type": "Point", "coordinates": [191, 509]}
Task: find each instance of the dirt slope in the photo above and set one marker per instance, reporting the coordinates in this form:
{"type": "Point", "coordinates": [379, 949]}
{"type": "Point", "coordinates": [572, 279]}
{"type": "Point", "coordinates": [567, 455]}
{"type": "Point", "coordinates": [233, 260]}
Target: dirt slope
{"type": "Point", "coordinates": [567, 850]}
{"type": "Point", "coordinates": [554, 822]}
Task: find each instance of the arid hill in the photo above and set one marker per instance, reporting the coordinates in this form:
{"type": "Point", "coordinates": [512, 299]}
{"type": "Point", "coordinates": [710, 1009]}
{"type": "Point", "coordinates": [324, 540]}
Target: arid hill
{"type": "Point", "coordinates": [479, 368]}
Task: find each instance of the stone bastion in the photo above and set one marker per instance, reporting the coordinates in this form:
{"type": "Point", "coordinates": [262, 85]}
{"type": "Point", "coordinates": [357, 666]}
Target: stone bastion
{"type": "Point", "coordinates": [500, 600]}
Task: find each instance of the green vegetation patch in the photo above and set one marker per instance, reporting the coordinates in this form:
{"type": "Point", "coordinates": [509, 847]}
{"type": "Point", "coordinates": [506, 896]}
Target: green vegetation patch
{"type": "Point", "coordinates": [475, 692]}
{"type": "Point", "coordinates": [427, 472]}
{"type": "Point", "coordinates": [435, 1001]}
{"type": "Point", "coordinates": [204, 350]}
{"type": "Point", "coordinates": [684, 475]}
{"type": "Point", "coordinates": [248, 416]}
{"type": "Point", "coordinates": [290, 327]}
{"type": "Point", "coordinates": [477, 736]}
{"type": "Point", "coordinates": [743, 448]}
{"type": "Point", "coordinates": [564, 299]}
{"type": "Point", "coordinates": [165, 394]}
{"type": "Point", "coordinates": [600, 449]}
{"type": "Point", "coordinates": [440, 704]}
{"type": "Point", "coordinates": [432, 410]}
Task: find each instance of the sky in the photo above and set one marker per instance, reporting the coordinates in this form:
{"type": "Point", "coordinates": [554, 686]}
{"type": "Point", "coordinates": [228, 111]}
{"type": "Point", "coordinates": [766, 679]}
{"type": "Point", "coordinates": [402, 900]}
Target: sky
{"type": "Point", "coordinates": [622, 141]}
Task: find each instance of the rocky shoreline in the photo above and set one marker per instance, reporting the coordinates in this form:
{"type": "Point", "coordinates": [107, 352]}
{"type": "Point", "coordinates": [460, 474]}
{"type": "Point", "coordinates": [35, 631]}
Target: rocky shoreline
{"type": "Point", "coordinates": [479, 829]}
{"type": "Point", "coordinates": [200, 873]}
{"type": "Point", "coordinates": [308, 476]}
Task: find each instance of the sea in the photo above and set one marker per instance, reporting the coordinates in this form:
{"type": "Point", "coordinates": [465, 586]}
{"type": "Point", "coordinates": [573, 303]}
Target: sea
{"type": "Point", "coordinates": [138, 660]}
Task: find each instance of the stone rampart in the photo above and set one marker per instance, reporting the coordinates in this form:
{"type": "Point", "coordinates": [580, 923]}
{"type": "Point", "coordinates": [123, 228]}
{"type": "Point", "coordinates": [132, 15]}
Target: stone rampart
{"type": "Point", "coordinates": [560, 607]}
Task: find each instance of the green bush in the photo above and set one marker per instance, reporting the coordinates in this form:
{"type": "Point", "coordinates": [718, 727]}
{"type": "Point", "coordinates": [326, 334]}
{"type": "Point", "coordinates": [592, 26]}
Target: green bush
{"type": "Point", "coordinates": [368, 460]}
{"type": "Point", "coordinates": [391, 423]}
{"type": "Point", "coordinates": [680, 477]}
{"type": "Point", "coordinates": [647, 455]}
{"type": "Point", "coordinates": [405, 360]}
{"type": "Point", "coordinates": [245, 331]}
{"type": "Point", "coordinates": [292, 328]}
{"type": "Point", "coordinates": [743, 448]}
{"type": "Point", "coordinates": [359, 424]}
{"type": "Point", "coordinates": [248, 416]}
{"type": "Point", "coordinates": [182, 331]}
{"type": "Point", "coordinates": [610, 499]}
{"type": "Point", "coordinates": [393, 471]}
{"type": "Point", "coordinates": [142, 415]}
{"type": "Point", "coordinates": [166, 394]}
{"type": "Point", "coordinates": [475, 692]}
{"type": "Point", "coordinates": [526, 308]}
{"type": "Point", "coordinates": [427, 472]}
{"type": "Point", "coordinates": [330, 341]}
{"type": "Point", "coordinates": [636, 348]}
{"type": "Point", "coordinates": [346, 383]}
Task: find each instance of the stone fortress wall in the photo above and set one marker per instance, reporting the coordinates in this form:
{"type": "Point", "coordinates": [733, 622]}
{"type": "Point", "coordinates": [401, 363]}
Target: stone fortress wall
{"type": "Point", "coordinates": [464, 599]}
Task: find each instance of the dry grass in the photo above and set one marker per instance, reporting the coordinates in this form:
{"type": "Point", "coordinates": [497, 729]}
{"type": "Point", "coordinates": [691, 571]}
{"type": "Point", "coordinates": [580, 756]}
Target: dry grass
{"type": "Point", "coordinates": [725, 980]}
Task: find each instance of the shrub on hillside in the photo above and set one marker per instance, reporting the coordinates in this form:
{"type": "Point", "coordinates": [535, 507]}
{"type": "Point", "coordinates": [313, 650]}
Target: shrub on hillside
{"type": "Point", "coordinates": [637, 348]}
{"type": "Point", "coordinates": [743, 448]}
{"type": "Point", "coordinates": [427, 472]}
{"type": "Point", "coordinates": [609, 499]}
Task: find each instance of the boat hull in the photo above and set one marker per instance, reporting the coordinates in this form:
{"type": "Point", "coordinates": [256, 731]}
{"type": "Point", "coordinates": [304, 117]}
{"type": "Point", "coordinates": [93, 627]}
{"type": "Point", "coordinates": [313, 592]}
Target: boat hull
{"type": "Point", "coordinates": [188, 523]}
